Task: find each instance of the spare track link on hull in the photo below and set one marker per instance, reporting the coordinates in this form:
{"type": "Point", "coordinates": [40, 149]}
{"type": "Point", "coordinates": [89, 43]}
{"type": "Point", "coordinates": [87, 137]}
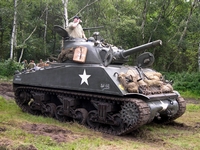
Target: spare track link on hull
{"type": "Point", "coordinates": [133, 114]}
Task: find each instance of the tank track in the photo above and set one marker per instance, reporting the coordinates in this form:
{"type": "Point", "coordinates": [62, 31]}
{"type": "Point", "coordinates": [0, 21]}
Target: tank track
{"type": "Point", "coordinates": [182, 108]}
{"type": "Point", "coordinates": [133, 112]}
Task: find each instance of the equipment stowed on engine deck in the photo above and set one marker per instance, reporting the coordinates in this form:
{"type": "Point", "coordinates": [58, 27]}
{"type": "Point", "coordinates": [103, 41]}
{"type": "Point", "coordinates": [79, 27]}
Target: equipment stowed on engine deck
{"type": "Point", "coordinates": [90, 85]}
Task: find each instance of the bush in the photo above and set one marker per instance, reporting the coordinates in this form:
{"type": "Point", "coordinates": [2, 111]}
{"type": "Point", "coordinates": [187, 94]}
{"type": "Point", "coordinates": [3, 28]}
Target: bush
{"type": "Point", "coordinates": [8, 67]}
{"type": "Point", "coordinates": [185, 81]}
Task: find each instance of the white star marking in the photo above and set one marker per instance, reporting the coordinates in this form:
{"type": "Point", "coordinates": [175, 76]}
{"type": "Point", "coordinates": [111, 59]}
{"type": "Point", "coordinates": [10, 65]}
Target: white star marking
{"type": "Point", "coordinates": [84, 77]}
{"type": "Point", "coordinates": [164, 106]}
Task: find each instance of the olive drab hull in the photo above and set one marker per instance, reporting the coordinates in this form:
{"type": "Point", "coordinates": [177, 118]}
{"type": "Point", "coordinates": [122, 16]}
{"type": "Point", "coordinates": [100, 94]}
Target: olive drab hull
{"type": "Point", "coordinates": [90, 85]}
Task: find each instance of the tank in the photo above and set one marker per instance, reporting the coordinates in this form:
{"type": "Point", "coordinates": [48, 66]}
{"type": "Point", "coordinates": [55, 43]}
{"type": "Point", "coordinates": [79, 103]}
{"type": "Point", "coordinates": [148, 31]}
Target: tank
{"type": "Point", "coordinates": [91, 84]}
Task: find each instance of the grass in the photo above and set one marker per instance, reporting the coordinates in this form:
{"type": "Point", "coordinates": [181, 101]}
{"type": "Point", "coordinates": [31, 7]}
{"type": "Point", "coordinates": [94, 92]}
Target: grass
{"type": "Point", "coordinates": [77, 137]}
{"type": "Point", "coordinates": [190, 94]}
{"type": "Point", "coordinates": [6, 79]}
{"type": "Point", "coordinates": [193, 108]}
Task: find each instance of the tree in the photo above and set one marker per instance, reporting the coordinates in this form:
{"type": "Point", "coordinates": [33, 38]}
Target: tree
{"type": "Point", "coordinates": [24, 42]}
{"type": "Point", "coordinates": [26, 28]}
{"type": "Point", "coordinates": [65, 4]}
{"type": "Point", "coordinates": [199, 56]}
{"type": "Point", "coordinates": [187, 21]}
{"type": "Point", "coordinates": [14, 30]}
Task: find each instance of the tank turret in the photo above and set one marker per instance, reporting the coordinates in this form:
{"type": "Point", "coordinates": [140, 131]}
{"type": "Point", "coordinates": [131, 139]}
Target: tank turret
{"type": "Point", "coordinates": [99, 52]}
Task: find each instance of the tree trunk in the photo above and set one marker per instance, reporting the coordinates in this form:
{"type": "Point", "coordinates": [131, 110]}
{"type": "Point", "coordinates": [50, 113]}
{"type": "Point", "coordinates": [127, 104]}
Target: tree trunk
{"type": "Point", "coordinates": [1, 39]}
{"type": "Point", "coordinates": [65, 3]}
{"type": "Point", "coordinates": [13, 36]}
{"type": "Point", "coordinates": [45, 30]}
{"type": "Point", "coordinates": [199, 56]}
{"type": "Point", "coordinates": [65, 24]}
{"type": "Point", "coordinates": [24, 42]}
{"type": "Point", "coordinates": [144, 17]}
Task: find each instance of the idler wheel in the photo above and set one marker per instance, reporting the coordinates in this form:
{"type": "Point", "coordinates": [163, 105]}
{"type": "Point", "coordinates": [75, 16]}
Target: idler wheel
{"type": "Point", "coordinates": [130, 113]}
{"type": "Point", "coordinates": [24, 101]}
{"type": "Point", "coordinates": [50, 110]}
{"type": "Point", "coordinates": [24, 98]}
{"type": "Point", "coordinates": [60, 114]}
{"type": "Point", "coordinates": [81, 115]}
{"type": "Point", "coordinates": [92, 119]}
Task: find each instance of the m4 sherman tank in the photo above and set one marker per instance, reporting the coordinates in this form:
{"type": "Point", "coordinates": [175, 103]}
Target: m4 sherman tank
{"type": "Point", "coordinates": [91, 85]}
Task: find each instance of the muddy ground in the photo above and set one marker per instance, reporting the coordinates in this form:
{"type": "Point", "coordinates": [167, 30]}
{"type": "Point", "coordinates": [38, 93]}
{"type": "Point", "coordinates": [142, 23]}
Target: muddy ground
{"type": "Point", "coordinates": [62, 135]}
{"type": "Point", "coordinates": [6, 90]}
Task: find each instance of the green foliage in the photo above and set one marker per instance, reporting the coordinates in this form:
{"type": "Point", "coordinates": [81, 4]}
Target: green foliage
{"type": "Point", "coordinates": [185, 82]}
{"type": "Point", "coordinates": [126, 28]}
{"type": "Point", "coordinates": [127, 23]}
{"type": "Point", "coordinates": [8, 67]}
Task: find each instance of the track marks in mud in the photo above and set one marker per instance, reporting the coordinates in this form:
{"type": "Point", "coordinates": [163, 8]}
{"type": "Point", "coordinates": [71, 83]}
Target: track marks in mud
{"type": "Point", "coordinates": [56, 133]}
{"type": "Point", "coordinates": [6, 144]}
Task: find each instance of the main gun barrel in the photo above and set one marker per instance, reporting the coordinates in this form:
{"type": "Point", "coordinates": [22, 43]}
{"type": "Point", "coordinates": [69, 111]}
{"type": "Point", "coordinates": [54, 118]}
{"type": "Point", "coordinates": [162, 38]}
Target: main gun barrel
{"type": "Point", "coordinates": [130, 51]}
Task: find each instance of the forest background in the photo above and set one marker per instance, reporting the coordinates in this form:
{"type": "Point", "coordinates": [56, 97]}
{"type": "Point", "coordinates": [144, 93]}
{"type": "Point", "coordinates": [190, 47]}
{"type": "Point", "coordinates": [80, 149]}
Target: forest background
{"type": "Point", "coordinates": [26, 31]}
